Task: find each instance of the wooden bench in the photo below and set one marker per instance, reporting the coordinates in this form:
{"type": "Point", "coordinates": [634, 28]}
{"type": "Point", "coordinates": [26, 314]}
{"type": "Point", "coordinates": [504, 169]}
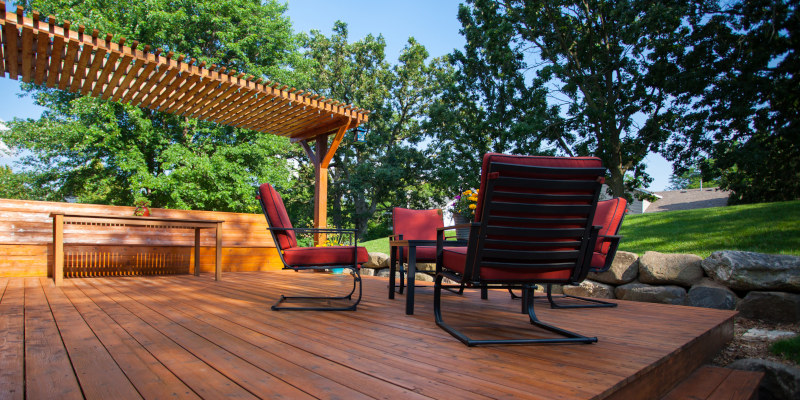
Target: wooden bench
{"type": "Point", "coordinates": [710, 382]}
{"type": "Point", "coordinates": [59, 220]}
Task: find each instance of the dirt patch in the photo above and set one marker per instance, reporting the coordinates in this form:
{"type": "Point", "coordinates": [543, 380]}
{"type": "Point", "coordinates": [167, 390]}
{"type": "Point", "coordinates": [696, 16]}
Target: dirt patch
{"type": "Point", "coordinates": [740, 347]}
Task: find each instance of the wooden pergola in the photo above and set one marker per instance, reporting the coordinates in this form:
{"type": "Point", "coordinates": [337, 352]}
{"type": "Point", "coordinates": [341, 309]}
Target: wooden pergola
{"type": "Point", "coordinates": [92, 64]}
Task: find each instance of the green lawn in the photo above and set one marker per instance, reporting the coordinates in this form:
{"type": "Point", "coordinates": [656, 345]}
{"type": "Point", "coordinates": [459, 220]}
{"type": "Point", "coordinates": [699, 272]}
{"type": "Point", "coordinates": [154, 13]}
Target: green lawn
{"type": "Point", "coordinates": [764, 228]}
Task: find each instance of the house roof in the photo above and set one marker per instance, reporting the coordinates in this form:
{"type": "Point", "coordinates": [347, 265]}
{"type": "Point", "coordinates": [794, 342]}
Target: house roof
{"type": "Point", "coordinates": [689, 199]}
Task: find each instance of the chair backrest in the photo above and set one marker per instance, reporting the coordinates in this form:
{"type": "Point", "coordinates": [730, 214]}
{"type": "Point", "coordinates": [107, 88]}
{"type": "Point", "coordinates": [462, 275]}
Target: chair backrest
{"type": "Point", "coordinates": [609, 215]}
{"type": "Point", "coordinates": [275, 211]}
{"type": "Point", "coordinates": [535, 215]}
{"type": "Point", "coordinates": [416, 224]}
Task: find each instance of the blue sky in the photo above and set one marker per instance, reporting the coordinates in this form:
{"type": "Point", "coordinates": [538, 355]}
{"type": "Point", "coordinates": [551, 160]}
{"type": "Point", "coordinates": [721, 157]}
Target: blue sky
{"type": "Point", "coordinates": [433, 23]}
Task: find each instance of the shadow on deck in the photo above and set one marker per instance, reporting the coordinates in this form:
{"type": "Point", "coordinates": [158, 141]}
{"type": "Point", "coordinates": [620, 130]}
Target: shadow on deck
{"type": "Point", "coordinates": [187, 337]}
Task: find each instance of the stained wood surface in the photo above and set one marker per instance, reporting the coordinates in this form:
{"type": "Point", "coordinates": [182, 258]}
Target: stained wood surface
{"type": "Point", "coordinates": [188, 337]}
{"type": "Point", "coordinates": [715, 383]}
{"type": "Point", "coordinates": [26, 241]}
{"type": "Point", "coordinates": [74, 59]}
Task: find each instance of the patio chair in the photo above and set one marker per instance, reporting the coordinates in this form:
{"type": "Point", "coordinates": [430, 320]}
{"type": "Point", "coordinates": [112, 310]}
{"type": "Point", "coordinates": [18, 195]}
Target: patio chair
{"type": "Point", "coordinates": [533, 225]}
{"type": "Point", "coordinates": [417, 225]}
{"type": "Point", "coordinates": [609, 216]}
{"type": "Point", "coordinates": [299, 258]}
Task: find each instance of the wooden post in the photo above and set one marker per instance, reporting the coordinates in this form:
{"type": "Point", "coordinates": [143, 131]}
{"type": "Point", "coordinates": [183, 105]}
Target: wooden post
{"type": "Point", "coordinates": [196, 251]}
{"type": "Point", "coordinates": [58, 248]}
{"type": "Point", "coordinates": [320, 188]}
{"type": "Point", "coordinates": [218, 261]}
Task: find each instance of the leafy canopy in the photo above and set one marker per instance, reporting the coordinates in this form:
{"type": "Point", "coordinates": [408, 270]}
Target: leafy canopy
{"type": "Point", "coordinates": [103, 152]}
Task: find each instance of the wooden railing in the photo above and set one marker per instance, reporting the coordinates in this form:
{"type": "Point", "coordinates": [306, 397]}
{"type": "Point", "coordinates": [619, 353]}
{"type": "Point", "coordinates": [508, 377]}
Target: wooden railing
{"type": "Point", "coordinates": [26, 242]}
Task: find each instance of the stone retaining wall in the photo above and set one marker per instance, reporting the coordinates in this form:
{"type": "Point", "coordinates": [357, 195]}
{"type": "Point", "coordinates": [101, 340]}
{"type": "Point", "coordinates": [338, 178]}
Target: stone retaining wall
{"type": "Point", "coordinates": [759, 286]}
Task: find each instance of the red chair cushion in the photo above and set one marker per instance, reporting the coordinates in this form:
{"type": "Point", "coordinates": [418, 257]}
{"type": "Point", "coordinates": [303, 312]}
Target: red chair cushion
{"type": "Point", "coordinates": [598, 261]}
{"type": "Point", "coordinates": [424, 253]}
{"type": "Point", "coordinates": [608, 215]}
{"type": "Point", "coordinates": [539, 161]}
{"type": "Point", "coordinates": [416, 224]}
{"type": "Point", "coordinates": [322, 256]}
{"type": "Point", "coordinates": [455, 259]}
{"type": "Point", "coordinates": [278, 218]}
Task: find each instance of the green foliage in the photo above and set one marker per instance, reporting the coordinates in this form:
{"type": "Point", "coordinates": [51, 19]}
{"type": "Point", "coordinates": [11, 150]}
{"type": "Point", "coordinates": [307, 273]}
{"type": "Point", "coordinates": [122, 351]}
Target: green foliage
{"type": "Point", "coordinates": [109, 153]}
{"type": "Point", "coordinates": [788, 348]}
{"type": "Point", "coordinates": [765, 228]}
{"type": "Point", "coordinates": [739, 84]}
{"type": "Point", "coordinates": [602, 64]}
{"type": "Point", "coordinates": [389, 169]}
{"type": "Point", "coordinates": [692, 178]}
{"type": "Point", "coordinates": [19, 186]}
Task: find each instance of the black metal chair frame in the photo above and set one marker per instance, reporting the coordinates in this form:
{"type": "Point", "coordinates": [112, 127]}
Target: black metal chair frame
{"type": "Point", "coordinates": [593, 303]}
{"type": "Point", "coordinates": [523, 258]}
{"type": "Point", "coordinates": [355, 271]}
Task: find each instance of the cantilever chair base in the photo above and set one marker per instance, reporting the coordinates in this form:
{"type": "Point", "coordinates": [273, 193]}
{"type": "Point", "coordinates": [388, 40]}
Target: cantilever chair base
{"type": "Point", "coordinates": [567, 337]}
{"type": "Point", "coordinates": [593, 303]}
{"type": "Point", "coordinates": [306, 299]}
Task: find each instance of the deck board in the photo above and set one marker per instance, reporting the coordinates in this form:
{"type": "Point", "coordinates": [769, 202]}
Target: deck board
{"type": "Point", "coordinates": [183, 336]}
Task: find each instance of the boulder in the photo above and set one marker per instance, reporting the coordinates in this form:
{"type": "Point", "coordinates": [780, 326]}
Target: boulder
{"type": "Point", "coordinates": [638, 291]}
{"type": "Point", "coordinates": [590, 288]}
{"type": "Point", "coordinates": [376, 260]}
{"type": "Point", "coordinates": [426, 266]}
{"type": "Point", "coordinates": [745, 270]}
{"type": "Point", "coordinates": [670, 269]}
{"type": "Point", "coordinates": [421, 276]}
{"type": "Point", "coordinates": [780, 382]}
{"type": "Point", "coordinates": [384, 273]}
{"type": "Point", "coordinates": [368, 271]}
{"type": "Point", "coordinates": [624, 269]}
{"type": "Point", "coordinates": [771, 306]}
{"type": "Point", "coordinates": [710, 294]}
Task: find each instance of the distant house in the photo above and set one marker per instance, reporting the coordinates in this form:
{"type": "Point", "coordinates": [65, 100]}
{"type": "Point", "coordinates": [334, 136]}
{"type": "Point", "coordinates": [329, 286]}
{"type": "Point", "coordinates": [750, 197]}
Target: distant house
{"type": "Point", "coordinates": [671, 200]}
{"type": "Point", "coordinates": [637, 206]}
{"type": "Point", "coordinates": [689, 199]}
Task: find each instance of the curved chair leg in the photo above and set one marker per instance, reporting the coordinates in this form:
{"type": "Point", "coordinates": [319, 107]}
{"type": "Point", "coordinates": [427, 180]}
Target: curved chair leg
{"type": "Point", "coordinates": [356, 274]}
{"type": "Point", "coordinates": [567, 336]}
{"type": "Point", "coordinates": [594, 303]}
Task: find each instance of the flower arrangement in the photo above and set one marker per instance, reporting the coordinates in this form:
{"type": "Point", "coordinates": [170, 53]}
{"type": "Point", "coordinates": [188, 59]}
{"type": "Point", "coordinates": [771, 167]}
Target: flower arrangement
{"type": "Point", "coordinates": [465, 203]}
{"type": "Point", "coordinates": [142, 208]}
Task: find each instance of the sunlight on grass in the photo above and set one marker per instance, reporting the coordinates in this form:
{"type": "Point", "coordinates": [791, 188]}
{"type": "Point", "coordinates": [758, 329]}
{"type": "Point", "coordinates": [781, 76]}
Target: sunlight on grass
{"type": "Point", "coordinates": [764, 228]}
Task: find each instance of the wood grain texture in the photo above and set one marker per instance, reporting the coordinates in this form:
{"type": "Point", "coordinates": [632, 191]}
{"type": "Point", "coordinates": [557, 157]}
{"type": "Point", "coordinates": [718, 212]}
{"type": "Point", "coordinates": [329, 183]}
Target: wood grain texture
{"type": "Point", "coordinates": [182, 336]}
{"type": "Point", "coordinates": [26, 239]}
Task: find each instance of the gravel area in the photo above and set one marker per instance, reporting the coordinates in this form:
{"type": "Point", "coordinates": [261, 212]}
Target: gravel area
{"type": "Point", "coordinates": [741, 347]}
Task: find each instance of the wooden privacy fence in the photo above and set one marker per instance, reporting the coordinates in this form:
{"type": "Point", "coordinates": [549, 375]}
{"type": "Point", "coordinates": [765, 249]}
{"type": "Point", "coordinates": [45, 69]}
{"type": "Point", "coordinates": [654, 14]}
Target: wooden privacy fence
{"type": "Point", "coordinates": [26, 242]}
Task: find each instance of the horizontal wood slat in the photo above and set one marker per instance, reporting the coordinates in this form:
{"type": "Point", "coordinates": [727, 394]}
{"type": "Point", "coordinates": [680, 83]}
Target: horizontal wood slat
{"type": "Point", "coordinates": [110, 69]}
{"type": "Point", "coordinates": [26, 238]}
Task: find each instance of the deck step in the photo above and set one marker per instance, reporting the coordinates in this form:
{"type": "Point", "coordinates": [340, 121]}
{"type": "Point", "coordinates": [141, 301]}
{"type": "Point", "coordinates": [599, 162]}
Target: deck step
{"type": "Point", "coordinates": [709, 382]}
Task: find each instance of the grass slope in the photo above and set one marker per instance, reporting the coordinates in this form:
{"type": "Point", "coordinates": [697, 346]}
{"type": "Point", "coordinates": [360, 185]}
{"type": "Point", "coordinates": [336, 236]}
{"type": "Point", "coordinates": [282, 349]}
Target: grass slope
{"type": "Point", "coordinates": [765, 228]}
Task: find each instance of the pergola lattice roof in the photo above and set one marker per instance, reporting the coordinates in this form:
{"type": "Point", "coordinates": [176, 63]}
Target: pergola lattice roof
{"type": "Point", "coordinates": [92, 64]}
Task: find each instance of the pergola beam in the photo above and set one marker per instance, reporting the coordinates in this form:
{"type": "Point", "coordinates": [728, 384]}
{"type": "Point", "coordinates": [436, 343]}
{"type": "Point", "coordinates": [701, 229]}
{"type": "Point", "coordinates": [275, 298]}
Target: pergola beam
{"type": "Point", "coordinates": [46, 53]}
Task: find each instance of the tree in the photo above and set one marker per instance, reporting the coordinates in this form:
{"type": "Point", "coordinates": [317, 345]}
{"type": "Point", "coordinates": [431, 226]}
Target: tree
{"type": "Point", "coordinates": [603, 65]}
{"type": "Point", "coordinates": [110, 153]}
{"type": "Point", "coordinates": [740, 84]}
{"type": "Point", "coordinates": [18, 185]}
{"type": "Point", "coordinates": [488, 104]}
{"type": "Point", "coordinates": [390, 169]}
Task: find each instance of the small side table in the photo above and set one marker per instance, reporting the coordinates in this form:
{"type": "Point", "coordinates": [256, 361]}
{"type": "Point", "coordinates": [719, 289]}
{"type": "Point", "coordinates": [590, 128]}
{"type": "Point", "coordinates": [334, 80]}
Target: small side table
{"type": "Point", "coordinates": [396, 247]}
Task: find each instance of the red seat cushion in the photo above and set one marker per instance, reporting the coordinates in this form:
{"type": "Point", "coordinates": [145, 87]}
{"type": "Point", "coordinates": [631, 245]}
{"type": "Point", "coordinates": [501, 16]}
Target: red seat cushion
{"type": "Point", "coordinates": [539, 161]}
{"type": "Point", "coordinates": [424, 253]}
{"type": "Point", "coordinates": [278, 218]}
{"type": "Point", "coordinates": [322, 256]}
{"type": "Point", "coordinates": [416, 224]}
{"type": "Point", "coordinates": [455, 259]}
{"type": "Point", "coordinates": [609, 215]}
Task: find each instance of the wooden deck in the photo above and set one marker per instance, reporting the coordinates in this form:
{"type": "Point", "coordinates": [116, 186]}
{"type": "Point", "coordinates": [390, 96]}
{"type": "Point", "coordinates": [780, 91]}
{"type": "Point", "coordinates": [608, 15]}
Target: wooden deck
{"type": "Point", "coordinates": [188, 337]}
